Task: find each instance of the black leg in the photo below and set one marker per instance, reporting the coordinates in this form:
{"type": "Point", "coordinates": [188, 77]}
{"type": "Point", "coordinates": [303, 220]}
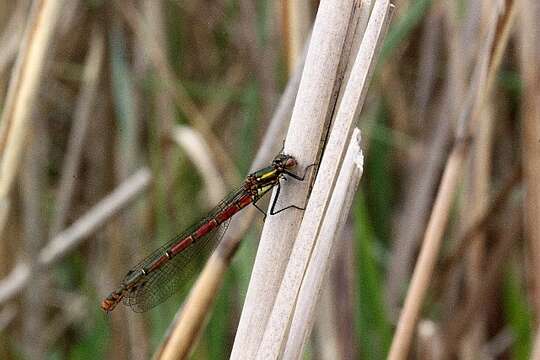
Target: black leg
{"type": "Point", "coordinates": [294, 176]}
{"type": "Point", "coordinates": [275, 199]}
{"type": "Point", "coordinates": [272, 211]}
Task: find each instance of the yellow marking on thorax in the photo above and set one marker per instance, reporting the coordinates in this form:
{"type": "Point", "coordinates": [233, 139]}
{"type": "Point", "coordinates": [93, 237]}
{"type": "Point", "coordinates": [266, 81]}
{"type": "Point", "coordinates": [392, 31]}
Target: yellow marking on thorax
{"type": "Point", "coordinates": [268, 175]}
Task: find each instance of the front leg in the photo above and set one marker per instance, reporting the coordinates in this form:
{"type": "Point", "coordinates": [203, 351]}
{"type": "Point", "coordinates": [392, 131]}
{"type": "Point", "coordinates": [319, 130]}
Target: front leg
{"type": "Point", "coordinates": [294, 176]}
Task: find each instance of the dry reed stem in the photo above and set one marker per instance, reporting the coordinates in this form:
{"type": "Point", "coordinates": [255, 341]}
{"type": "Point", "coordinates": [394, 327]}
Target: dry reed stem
{"type": "Point", "coordinates": [22, 93]}
{"type": "Point", "coordinates": [313, 106]}
{"type": "Point", "coordinates": [349, 108]}
{"type": "Point", "coordinates": [67, 240]}
{"type": "Point", "coordinates": [277, 128]}
{"type": "Point", "coordinates": [325, 339]}
{"type": "Point", "coordinates": [482, 81]}
{"type": "Point", "coordinates": [323, 251]}
{"type": "Point", "coordinates": [79, 127]}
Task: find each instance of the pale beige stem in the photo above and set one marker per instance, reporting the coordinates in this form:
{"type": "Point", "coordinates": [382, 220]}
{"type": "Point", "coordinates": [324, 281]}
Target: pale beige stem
{"type": "Point", "coordinates": [349, 108]}
{"type": "Point", "coordinates": [313, 105]}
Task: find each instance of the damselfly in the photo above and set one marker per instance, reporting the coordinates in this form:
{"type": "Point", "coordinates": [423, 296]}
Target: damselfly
{"type": "Point", "coordinates": [163, 273]}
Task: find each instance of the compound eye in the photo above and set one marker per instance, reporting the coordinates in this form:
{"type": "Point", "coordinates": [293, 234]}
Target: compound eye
{"type": "Point", "coordinates": [289, 163]}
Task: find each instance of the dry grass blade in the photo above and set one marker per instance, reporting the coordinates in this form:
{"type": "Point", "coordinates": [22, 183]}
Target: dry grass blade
{"type": "Point", "coordinates": [347, 113]}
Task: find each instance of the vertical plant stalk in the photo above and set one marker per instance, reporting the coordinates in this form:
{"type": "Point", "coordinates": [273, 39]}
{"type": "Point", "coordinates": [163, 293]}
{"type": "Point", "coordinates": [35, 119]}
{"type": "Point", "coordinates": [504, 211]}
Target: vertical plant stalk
{"type": "Point", "coordinates": [313, 106]}
{"type": "Point", "coordinates": [22, 93]}
{"type": "Point", "coordinates": [349, 108]}
{"type": "Point", "coordinates": [323, 251]}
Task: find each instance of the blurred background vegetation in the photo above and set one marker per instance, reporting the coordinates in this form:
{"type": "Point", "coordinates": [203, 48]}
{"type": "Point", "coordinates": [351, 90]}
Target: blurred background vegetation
{"type": "Point", "coordinates": [127, 85]}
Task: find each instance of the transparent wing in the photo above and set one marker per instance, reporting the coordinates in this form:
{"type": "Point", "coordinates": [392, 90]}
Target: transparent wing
{"type": "Point", "coordinates": [158, 285]}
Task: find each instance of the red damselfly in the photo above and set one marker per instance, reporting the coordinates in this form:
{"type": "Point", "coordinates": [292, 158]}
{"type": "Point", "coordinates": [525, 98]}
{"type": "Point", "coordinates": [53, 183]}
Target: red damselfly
{"type": "Point", "coordinates": [163, 272]}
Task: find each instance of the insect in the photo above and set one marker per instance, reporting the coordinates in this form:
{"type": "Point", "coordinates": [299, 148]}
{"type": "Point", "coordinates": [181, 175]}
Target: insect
{"type": "Point", "coordinates": [164, 272]}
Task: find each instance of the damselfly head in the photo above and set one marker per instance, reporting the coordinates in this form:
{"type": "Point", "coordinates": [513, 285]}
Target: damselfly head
{"type": "Point", "coordinates": [109, 303]}
{"type": "Point", "coordinates": [284, 161]}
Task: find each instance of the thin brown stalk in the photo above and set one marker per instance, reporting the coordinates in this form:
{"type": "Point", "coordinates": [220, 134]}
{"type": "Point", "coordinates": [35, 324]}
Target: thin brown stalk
{"type": "Point", "coordinates": [477, 192]}
{"type": "Point", "coordinates": [427, 257]}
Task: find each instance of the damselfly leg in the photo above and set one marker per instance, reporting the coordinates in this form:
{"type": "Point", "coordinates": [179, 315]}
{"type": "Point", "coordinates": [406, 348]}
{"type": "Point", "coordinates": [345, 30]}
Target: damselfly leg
{"type": "Point", "coordinates": [278, 190]}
